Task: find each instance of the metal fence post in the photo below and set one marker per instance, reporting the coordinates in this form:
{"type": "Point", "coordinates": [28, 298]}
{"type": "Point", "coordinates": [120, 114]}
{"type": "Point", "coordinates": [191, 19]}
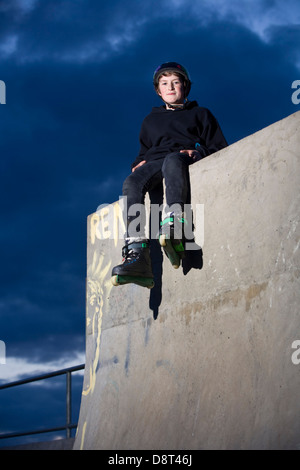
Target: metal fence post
{"type": "Point", "coordinates": [69, 425]}
{"type": "Point", "coordinates": [68, 403]}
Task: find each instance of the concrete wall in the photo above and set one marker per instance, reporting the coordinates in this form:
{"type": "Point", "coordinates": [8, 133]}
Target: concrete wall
{"type": "Point", "coordinates": [204, 360]}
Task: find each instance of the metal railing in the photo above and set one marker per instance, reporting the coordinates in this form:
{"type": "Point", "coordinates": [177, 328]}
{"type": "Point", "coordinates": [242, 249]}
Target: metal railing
{"type": "Point", "coordinates": [69, 425]}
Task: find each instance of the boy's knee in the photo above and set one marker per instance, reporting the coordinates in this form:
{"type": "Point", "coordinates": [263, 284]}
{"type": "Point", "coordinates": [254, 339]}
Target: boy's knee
{"type": "Point", "coordinates": [128, 184]}
{"type": "Point", "coordinates": [173, 160]}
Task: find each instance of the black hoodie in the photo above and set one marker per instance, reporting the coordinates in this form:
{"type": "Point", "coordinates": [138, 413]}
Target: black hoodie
{"type": "Point", "coordinates": [164, 131]}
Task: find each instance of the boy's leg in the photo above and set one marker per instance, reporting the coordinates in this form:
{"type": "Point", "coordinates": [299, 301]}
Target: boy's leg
{"type": "Point", "coordinates": [175, 171]}
{"type": "Point", "coordinates": [174, 226]}
{"type": "Point", "coordinates": [136, 266]}
{"type": "Point", "coordinates": [135, 186]}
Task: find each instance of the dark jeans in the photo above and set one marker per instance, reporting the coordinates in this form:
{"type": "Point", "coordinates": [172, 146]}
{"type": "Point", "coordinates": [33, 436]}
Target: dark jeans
{"type": "Point", "coordinates": [174, 169]}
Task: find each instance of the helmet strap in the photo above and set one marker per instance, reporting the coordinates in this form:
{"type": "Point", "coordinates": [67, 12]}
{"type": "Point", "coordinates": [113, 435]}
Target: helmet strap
{"type": "Point", "coordinates": [176, 106]}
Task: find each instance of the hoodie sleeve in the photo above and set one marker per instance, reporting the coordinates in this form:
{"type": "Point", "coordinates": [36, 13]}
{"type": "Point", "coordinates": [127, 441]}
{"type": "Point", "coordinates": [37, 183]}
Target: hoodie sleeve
{"type": "Point", "coordinates": [210, 134]}
{"type": "Point", "coordinates": [145, 145]}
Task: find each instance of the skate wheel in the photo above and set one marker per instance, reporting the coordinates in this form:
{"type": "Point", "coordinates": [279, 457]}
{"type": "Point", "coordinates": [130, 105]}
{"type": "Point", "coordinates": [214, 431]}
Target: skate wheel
{"type": "Point", "coordinates": [114, 281]}
{"type": "Point", "coordinates": [162, 240]}
{"type": "Point", "coordinates": [175, 266]}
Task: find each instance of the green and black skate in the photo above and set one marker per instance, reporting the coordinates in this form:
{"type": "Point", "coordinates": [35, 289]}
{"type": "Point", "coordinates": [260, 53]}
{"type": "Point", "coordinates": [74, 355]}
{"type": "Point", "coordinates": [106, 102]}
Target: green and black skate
{"type": "Point", "coordinates": [136, 266]}
{"type": "Point", "coordinates": [171, 238]}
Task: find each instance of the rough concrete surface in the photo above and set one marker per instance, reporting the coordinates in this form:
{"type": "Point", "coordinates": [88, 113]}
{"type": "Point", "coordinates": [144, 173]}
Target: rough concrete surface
{"type": "Point", "coordinates": [204, 360]}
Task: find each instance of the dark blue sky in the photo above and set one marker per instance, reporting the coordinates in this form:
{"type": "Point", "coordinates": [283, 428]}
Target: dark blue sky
{"type": "Point", "coordinates": [78, 77]}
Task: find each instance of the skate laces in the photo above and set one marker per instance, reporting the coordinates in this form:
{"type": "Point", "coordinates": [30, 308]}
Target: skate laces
{"type": "Point", "coordinates": [132, 251]}
{"type": "Point", "coordinates": [174, 223]}
{"type": "Point", "coordinates": [171, 217]}
{"type": "Point", "coordinates": [128, 254]}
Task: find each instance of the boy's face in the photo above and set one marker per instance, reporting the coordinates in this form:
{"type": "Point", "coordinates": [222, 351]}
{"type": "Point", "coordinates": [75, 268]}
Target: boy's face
{"type": "Point", "coordinates": [171, 89]}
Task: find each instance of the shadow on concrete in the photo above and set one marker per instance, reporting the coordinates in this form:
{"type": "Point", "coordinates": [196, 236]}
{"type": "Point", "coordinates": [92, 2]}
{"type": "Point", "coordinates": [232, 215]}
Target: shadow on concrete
{"type": "Point", "coordinates": [193, 258]}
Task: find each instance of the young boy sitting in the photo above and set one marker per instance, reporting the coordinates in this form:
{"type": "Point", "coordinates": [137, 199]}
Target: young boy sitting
{"type": "Point", "coordinates": [172, 137]}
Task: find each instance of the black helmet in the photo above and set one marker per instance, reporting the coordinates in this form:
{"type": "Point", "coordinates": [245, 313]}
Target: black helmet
{"type": "Point", "coordinates": [173, 67]}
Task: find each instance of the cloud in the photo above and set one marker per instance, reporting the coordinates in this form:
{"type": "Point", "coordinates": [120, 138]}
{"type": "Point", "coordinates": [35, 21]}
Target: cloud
{"type": "Point", "coordinates": [269, 20]}
{"type": "Point", "coordinates": [20, 6]}
{"type": "Point", "coordinates": [91, 32]}
{"type": "Point", "coordinates": [8, 46]}
{"type": "Point", "coordinates": [87, 32]}
{"type": "Point", "coordinates": [96, 30]}
{"type": "Point", "coordinates": [259, 16]}
{"type": "Point", "coordinates": [17, 368]}
{"type": "Point", "coordinates": [27, 5]}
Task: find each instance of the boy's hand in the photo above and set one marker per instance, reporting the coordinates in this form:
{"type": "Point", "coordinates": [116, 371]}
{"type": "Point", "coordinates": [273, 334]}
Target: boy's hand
{"type": "Point", "coordinates": [191, 153]}
{"type": "Point", "coordinates": [140, 164]}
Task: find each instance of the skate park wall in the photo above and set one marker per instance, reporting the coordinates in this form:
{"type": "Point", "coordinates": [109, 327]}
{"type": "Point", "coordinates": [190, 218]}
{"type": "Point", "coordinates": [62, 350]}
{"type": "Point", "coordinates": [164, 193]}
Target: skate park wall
{"type": "Point", "coordinates": [210, 357]}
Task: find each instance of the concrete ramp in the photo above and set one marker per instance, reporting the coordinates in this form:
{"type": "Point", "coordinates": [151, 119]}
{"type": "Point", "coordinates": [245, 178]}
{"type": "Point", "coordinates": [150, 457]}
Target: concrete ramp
{"type": "Point", "coordinates": [210, 358]}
